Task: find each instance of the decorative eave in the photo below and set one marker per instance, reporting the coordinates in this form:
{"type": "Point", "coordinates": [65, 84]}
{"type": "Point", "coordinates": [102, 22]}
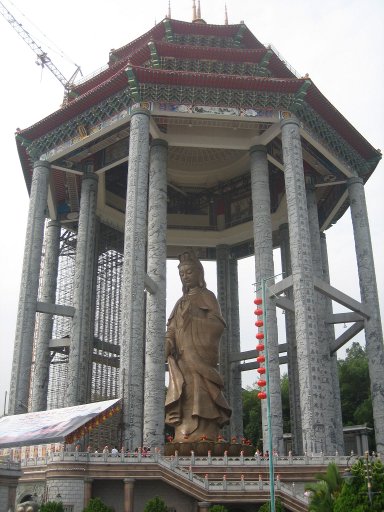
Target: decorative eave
{"type": "Point", "coordinates": [265, 57]}
{"type": "Point", "coordinates": [316, 100]}
{"type": "Point", "coordinates": [184, 28]}
{"type": "Point", "coordinates": [303, 91]}
{"type": "Point", "coordinates": [120, 81]}
{"type": "Point", "coordinates": [185, 78]}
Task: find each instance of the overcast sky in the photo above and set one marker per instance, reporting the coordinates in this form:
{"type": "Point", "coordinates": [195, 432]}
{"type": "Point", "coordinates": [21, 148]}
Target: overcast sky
{"type": "Point", "coordinates": [338, 42]}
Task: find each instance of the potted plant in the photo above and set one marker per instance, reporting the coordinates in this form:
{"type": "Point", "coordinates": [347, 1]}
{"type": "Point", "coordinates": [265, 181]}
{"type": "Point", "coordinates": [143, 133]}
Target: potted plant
{"type": "Point", "coordinates": [185, 447]}
{"type": "Point", "coordinates": [170, 446]}
{"type": "Point", "coordinates": [203, 446]}
{"type": "Point", "coordinates": [220, 446]}
{"type": "Point", "coordinates": [234, 448]}
{"type": "Point", "coordinates": [247, 448]}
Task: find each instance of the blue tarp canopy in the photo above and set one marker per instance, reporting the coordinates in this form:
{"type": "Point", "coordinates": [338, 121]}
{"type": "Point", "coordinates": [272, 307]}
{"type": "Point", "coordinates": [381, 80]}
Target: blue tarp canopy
{"type": "Point", "coordinates": [51, 426]}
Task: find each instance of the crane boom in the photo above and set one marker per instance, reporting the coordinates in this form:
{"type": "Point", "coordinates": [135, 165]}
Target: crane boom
{"type": "Point", "coordinates": [42, 57]}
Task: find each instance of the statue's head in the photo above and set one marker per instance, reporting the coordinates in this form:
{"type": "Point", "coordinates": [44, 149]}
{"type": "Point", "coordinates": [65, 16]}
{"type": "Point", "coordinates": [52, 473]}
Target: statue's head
{"type": "Point", "coordinates": [191, 271]}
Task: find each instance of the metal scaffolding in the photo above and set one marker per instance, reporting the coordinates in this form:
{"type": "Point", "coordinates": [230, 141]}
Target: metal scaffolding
{"type": "Point", "coordinates": [106, 349]}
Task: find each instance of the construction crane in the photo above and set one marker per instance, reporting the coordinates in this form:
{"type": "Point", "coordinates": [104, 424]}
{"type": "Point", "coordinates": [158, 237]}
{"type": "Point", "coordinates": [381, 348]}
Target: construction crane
{"type": "Point", "coordinates": [42, 57]}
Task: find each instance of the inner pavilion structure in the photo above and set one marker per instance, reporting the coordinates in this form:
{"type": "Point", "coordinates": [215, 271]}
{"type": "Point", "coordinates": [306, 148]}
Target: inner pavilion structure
{"type": "Point", "coordinates": [192, 135]}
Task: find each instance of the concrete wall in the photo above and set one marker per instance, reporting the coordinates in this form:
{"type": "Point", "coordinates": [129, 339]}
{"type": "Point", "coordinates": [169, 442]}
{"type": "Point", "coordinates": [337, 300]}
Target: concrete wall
{"type": "Point", "coordinates": [112, 493]}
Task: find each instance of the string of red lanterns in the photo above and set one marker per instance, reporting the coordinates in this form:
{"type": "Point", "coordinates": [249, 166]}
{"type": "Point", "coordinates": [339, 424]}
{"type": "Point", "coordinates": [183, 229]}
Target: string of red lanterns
{"type": "Point", "coordinates": [260, 347]}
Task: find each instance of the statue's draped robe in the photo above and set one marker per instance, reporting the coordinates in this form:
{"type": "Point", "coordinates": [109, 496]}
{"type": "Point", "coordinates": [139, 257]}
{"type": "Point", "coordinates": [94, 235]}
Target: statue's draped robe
{"type": "Point", "coordinates": [195, 404]}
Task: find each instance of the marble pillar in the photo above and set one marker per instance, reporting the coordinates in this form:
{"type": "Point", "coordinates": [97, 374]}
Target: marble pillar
{"type": "Point", "coordinates": [48, 294]}
{"type": "Point", "coordinates": [311, 404]}
{"type": "Point", "coordinates": [87, 490]}
{"type": "Point", "coordinates": [133, 305]}
{"type": "Point", "coordinates": [29, 286]}
{"type": "Point", "coordinates": [228, 298]}
{"type": "Point", "coordinates": [129, 488]}
{"type": "Point", "coordinates": [337, 419]}
{"type": "Point", "coordinates": [369, 297]}
{"type": "Point", "coordinates": [290, 333]}
{"type": "Point", "coordinates": [154, 382]}
{"type": "Point", "coordinates": [264, 269]}
{"type": "Point", "coordinates": [323, 329]}
{"type": "Point", "coordinates": [81, 347]}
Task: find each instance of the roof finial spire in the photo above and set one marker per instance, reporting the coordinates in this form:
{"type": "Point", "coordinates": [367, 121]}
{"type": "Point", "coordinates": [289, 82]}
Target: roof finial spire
{"type": "Point", "coordinates": [226, 15]}
{"type": "Point", "coordinates": [198, 10]}
{"type": "Point", "coordinates": [169, 9]}
{"type": "Point", "coordinates": [193, 10]}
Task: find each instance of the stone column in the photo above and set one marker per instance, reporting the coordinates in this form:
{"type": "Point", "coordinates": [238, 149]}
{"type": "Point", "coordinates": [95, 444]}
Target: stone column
{"type": "Point", "coordinates": [290, 333]}
{"type": "Point", "coordinates": [303, 290]}
{"type": "Point", "coordinates": [323, 329]}
{"type": "Point", "coordinates": [87, 490]}
{"type": "Point", "coordinates": [369, 296]}
{"type": "Point", "coordinates": [154, 383]}
{"type": "Point", "coordinates": [228, 298]}
{"type": "Point", "coordinates": [264, 266]}
{"type": "Point", "coordinates": [132, 307]}
{"type": "Point", "coordinates": [25, 326]}
{"type": "Point", "coordinates": [80, 352]}
{"type": "Point", "coordinates": [129, 487]}
{"type": "Point", "coordinates": [48, 294]}
{"type": "Point", "coordinates": [338, 419]}
{"type": "Point", "coordinates": [203, 506]}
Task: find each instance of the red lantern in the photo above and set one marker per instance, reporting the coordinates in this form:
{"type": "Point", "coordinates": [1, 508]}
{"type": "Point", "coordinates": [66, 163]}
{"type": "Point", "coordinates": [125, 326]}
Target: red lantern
{"type": "Point", "coordinates": [261, 383]}
{"type": "Point", "coordinates": [260, 359]}
{"type": "Point", "coordinates": [260, 335]}
{"type": "Point", "coordinates": [260, 347]}
{"type": "Point", "coordinates": [258, 311]}
{"type": "Point", "coordinates": [258, 301]}
{"type": "Point", "coordinates": [261, 370]}
{"type": "Point", "coordinates": [259, 323]}
{"type": "Point", "coordinates": [262, 395]}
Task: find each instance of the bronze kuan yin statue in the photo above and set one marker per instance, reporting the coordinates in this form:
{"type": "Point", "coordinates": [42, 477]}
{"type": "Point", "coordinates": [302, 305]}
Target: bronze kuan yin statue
{"type": "Point", "coordinates": [195, 405]}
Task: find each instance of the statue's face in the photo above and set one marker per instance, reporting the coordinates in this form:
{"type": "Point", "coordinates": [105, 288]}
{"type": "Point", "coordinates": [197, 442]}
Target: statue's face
{"type": "Point", "coordinates": [189, 276]}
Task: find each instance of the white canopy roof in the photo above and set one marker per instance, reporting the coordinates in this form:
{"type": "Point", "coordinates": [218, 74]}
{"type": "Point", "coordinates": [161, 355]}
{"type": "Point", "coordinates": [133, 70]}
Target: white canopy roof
{"type": "Point", "coordinates": [48, 426]}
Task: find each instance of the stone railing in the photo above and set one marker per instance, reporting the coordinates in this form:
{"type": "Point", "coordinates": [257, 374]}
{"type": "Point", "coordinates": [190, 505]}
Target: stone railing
{"type": "Point", "coordinates": [9, 464]}
{"type": "Point", "coordinates": [182, 461]}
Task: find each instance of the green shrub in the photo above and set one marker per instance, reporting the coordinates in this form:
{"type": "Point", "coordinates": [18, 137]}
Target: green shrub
{"type": "Point", "coordinates": [52, 506]}
{"type": "Point", "coordinates": [218, 508]}
{"type": "Point", "coordinates": [156, 504]}
{"type": "Point", "coordinates": [278, 507]}
{"type": "Point", "coordinates": [97, 505]}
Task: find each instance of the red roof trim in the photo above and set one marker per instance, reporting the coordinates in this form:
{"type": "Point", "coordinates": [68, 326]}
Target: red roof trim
{"type": "Point", "coordinates": [210, 53]}
{"type": "Point", "coordinates": [77, 106]}
{"type": "Point", "coordinates": [118, 81]}
{"type": "Point", "coordinates": [334, 118]}
{"type": "Point", "coordinates": [184, 78]}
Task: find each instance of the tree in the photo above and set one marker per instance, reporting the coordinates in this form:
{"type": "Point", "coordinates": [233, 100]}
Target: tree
{"type": "Point", "coordinates": [266, 506]}
{"type": "Point", "coordinates": [284, 385]}
{"type": "Point", "coordinates": [52, 506]}
{"type": "Point", "coordinates": [156, 504]}
{"type": "Point", "coordinates": [252, 412]}
{"type": "Point", "coordinates": [355, 393]}
{"type": "Point", "coordinates": [252, 416]}
{"type": "Point", "coordinates": [324, 492]}
{"type": "Point", "coordinates": [355, 386]}
{"type": "Point", "coordinates": [354, 493]}
{"type": "Point", "coordinates": [97, 505]}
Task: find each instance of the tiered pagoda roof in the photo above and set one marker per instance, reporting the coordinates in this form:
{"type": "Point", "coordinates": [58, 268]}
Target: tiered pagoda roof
{"type": "Point", "coordinates": [198, 64]}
